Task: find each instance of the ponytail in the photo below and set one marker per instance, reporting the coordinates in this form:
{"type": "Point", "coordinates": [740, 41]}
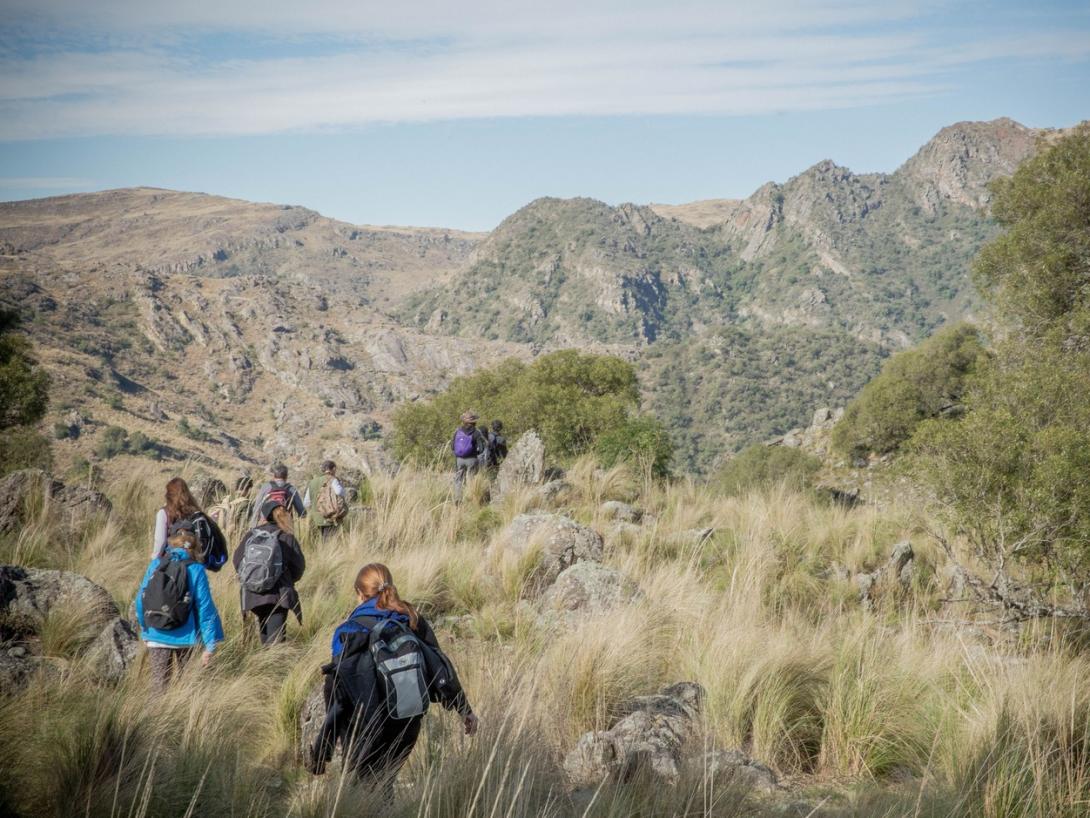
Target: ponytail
{"type": "Point", "coordinates": [374, 581]}
{"type": "Point", "coordinates": [282, 518]}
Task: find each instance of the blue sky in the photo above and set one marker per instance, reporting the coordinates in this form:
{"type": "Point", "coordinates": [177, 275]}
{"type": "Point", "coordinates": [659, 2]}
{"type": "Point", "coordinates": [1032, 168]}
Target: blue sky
{"type": "Point", "coordinates": [456, 114]}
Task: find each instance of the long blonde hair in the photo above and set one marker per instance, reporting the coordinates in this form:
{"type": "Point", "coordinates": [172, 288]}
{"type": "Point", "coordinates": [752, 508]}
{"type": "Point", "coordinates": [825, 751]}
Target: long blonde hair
{"type": "Point", "coordinates": [282, 518]}
{"type": "Point", "coordinates": [375, 580]}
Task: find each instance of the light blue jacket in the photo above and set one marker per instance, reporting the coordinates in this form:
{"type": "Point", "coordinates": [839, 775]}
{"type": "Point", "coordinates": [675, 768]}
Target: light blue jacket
{"type": "Point", "coordinates": [203, 625]}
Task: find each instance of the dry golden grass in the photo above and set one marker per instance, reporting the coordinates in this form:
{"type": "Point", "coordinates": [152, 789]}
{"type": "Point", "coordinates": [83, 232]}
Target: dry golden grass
{"type": "Point", "coordinates": [876, 713]}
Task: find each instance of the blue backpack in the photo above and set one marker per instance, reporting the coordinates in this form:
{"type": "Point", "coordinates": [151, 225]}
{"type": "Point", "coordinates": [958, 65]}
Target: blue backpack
{"type": "Point", "coordinates": [464, 444]}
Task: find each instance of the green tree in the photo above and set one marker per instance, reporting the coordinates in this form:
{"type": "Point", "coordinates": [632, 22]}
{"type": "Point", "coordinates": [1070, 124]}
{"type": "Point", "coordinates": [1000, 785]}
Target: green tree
{"type": "Point", "coordinates": [24, 386]}
{"type": "Point", "coordinates": [568, 397]}
{"type": "Point", "coordinates": [641, 440]}
{"type": "Point", "coordinates": [914, 385]}
{"type": "Point", "coordinates": [1012, 472]}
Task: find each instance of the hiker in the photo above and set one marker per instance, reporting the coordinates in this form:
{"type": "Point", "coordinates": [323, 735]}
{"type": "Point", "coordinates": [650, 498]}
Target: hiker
{"type": "Point", "coordinates": [174, 607]}
{"type": "Point", "coordinates": [279, 490]}
{"type": "Point", "coordinates": [179, 505]}
{"type": "Point", "coordinates": [386, 668]}
{"type": "Point", "coordinates": [325, 500]}
{"type": "Point", "coordinates": [269, 562]}
{"type": "Point", "coordinates": [497, 445]}
{"type": "Point", "coordinates": [467, 444]}
{"type": "Point", "coordinates": [230, 512]}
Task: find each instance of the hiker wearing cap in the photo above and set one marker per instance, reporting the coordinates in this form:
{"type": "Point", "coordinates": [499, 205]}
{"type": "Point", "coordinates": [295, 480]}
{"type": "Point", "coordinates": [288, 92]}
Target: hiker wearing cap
{"type": "Point", "coordinates": [497, 445]}
{"type": "Point", "coordinates": [325, 500]}
{"type": "Point", "coordinates": [179, 506]}
{"type": "Point", "coordinates": [468, 444]}
{"type": "Point", "coordinates": [269, 562]}
{"type": "Point", "coordinates": [279, 490]}
{"type": "Point", "coordinates": [174, 607]}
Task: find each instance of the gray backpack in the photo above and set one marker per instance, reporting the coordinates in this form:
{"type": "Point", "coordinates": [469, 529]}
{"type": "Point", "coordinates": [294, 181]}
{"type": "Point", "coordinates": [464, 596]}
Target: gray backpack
{"type": "Point", "coordinates": [401, 667]}
{"type": "Point", "coordinates": [262, 561]}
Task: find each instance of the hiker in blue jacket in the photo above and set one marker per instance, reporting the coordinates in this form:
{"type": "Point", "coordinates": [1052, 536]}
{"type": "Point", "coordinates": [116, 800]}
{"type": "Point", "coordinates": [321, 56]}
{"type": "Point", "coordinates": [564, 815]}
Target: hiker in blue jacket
{"type": "Point", "coordinates": [169, 649]}
{"type": "Point", "coordinates": [468, 444]}
{"type": "Point", "coordinates": [375, 742]}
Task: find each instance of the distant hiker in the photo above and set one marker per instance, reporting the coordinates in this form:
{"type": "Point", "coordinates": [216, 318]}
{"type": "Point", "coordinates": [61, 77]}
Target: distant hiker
{"type": "Point", "coordinates": [325, 500]}
{"type": "Point", "coordinates": [386, 668]}
{"type": "Point", "coordinates": [180, 506]}
{"type": "Point", "coordinates": [174, 607]}
{"type": "Point", "coordinates": [467, 444]}
{"type": "Point", "coordinates": [269, 562]}
{"type": "Point", "coordinates": [230, 512]}
{"type": "Point", "coordinates": [497, 445]}
{"type": "Point", "coordinates": [280, 491]}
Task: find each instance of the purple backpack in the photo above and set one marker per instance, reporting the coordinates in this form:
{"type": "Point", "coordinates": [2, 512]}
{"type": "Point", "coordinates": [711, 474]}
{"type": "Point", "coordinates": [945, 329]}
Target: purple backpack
{"type": "Point", "coordinates": [464, 444]}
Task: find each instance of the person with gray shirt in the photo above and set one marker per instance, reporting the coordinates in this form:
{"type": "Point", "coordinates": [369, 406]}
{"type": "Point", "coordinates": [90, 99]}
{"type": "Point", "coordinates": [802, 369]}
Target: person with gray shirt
{"type": "Point", "coordinates": [277, 490]}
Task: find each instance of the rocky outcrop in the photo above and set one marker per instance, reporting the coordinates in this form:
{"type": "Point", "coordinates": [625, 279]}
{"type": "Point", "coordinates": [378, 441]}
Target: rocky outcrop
{"type": "Point", "coordinates": [648, 739]}
{"type": "Point", "coordinates": [815, 438]}
{"type": "Point", "coordinates": [21, 492]}
{"type": "Point", "coordinates": [563, 543]}
{"type": "Point", "coordinates": [896, 575]}
{"type": "Point", "coordinates": [524, 465]}
{"type": "Point", "coordinates": [588, 588]}
{"type": "Point", "coordinates": [311, 716]}
{"type": "Point", "coordinates": [733, 768]}
{"type": "Point", "coordinates": [621, 512]}
{"type": "Point", "coordinates": [28, 595]}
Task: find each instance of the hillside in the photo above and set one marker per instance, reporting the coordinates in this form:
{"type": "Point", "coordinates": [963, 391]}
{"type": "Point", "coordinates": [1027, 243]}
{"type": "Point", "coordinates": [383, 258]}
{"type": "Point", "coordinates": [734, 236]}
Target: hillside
{"type": "Point", "coordinates": [744, 314]}
{"type": "Point", "coordinates": [237, 331]}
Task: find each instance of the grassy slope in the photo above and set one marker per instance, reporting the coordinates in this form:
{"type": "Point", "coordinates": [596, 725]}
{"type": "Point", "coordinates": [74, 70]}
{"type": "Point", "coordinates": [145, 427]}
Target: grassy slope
{"type": "Point", "coordinates": [877, 714]}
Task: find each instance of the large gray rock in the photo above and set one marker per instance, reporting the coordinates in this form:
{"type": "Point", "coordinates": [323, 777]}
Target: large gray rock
{"type": "Point", "coordinates": [311, 716]}
{"type": "Point", "coordinates": [27, 595]}
{"type": "Point", "coordinates": [895, 576]}
{"type": "Point", "coordinates": [524, 465]}
{"type": "Point", "coordinates": [589, 588]}
{"type": "Point", "coordinates": [563, 543]}
{"type": "Point", "coordinates": [734, 768]}
{"type": "Point", "coordinates": [621, 512]}
{"type": "Point", "coordinates": [22, 491]}
{"type": "Point", "coordinates": [649, 738]}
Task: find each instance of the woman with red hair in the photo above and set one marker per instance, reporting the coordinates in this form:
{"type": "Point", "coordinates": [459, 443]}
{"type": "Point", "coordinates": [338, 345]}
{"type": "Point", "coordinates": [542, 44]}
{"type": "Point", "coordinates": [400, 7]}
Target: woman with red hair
{"type": "Point", "coordinates": [361, 712]}
{"type": "Point", "coordinates": [180, 506]}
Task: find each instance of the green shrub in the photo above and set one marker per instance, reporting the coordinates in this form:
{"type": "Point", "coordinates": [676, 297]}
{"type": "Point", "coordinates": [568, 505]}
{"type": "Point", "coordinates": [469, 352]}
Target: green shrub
{"type": "Point", "coordinates": [641, 440]}
{"type": "Point", "coordinates": [759, 466]}
{"type": "Point", "coordinates": [24, 387]}
{"type": "Point", "coordinates": [24, 448]}
{"type": "Point", "coordinates": [914, 385]}
{"type": "Point", "coordinates": [62, 431]}
{"type": "Point", "coordinates": [114, 441]}
{"type": "Point", "coordinates": [568, 397]}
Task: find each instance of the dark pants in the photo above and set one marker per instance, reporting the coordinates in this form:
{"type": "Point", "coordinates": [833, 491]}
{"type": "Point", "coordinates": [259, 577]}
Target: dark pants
{"type": "Point", "coordinates": [464, 468]}
{"type": "Point", "coordinates": [165, 662]}
{"type": "Point", "coordinates": [272, 621]}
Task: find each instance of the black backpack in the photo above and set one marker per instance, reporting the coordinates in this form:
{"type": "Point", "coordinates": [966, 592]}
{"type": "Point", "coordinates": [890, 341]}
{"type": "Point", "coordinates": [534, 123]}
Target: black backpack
{"type": "Point", "coordinates": [166, 598]}
{"type": "Point", "coordinates": [211, 550]}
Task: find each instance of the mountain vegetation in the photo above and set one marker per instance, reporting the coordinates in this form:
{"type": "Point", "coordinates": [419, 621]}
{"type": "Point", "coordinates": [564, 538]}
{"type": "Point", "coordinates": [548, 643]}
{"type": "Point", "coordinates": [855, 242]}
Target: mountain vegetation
{"type": "Point", "coordinates": [24, 398]}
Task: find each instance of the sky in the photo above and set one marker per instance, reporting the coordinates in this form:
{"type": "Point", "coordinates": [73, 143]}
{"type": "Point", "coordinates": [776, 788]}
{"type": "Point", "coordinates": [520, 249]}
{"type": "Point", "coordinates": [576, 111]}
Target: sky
{"type": "Point", "coordinates": [456, 114]}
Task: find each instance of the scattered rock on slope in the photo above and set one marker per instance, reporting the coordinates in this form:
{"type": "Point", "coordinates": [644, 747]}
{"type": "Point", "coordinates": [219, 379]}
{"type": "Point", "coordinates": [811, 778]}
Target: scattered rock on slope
{"type": "Point", "coordinates": [20, 491]}
{"type": "Point", "coordinates": [621, 512]}
{"type": "Point", "coordinates": [27, 595]}
{"type": "Point", "coordinates": [589, 588]}
{"type": "Point", "coordinates": [895, 574]}
{"type": "Point", "coordinates": [524, 465]}
{"type": "Point", "coordinates": [563, 542]}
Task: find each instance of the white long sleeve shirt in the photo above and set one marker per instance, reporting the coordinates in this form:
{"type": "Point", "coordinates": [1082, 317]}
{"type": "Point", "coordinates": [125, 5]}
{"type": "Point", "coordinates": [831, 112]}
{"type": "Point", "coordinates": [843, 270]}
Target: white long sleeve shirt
{"type": "Point", "coordinates": [338, 489]}
{"type": "Point", "coordinates": [159, 533]}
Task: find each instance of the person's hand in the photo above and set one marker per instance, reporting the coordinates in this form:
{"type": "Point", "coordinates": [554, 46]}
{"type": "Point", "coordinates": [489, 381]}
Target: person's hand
{"type": "Point", "coordinates": [471, 724]}
{"type": "Point", "coordinates": [206, 657]}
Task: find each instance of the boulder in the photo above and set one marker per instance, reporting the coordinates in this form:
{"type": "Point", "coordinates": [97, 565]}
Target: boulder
{"type": "Point", "coordinates": [696, 536]}
{"type": "Point", "coordinates": [896, 575]}
{"type": "Point", "coordinates": [733, 768]}
{"type": "Point", "coordinates": [524, 465]}
{"type": "Point", "coordinates": [563, 542]}
{"type": "Point", "coordinates": [311, 716]}
{"type": "Point", "coordinates": [21, 491]}
{"type": "Point", "coordinates": [26, 597]}
{"type": "Point", "coordinates": [551, 491]}
{"type": "Point", "coordinates": [625, 530]}
{"type": "Point", "coordinates": [18, 666]}
{"type": "Point", "coordinates": [589, 588]}
{"type": "Point", "coordinates": [621, 512]}
{"type": "Point", "coordinates": [647, 739]}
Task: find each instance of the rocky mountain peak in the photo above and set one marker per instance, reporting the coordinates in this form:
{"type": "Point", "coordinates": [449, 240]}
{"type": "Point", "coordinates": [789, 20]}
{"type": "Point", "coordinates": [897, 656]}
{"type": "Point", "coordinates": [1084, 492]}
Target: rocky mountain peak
{"type": "Point", "coordinates": [957, 164]}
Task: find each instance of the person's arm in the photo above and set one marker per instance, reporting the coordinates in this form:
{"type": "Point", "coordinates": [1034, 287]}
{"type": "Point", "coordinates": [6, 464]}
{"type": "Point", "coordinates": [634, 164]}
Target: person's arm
{"type": "Point", "coordinates": [208, 618]}
{"type": "Point", "coordinates": [447, 687]}
{"type": "Point", "coordinates": [255, 515]}
{"type": "Point", "coordinates": [337, 486]}
{"type": "Point", "coordinates": [306, 498]}
{"type": "Point", "coordinates": [140, 595]}
{"type": "Point", "coordinates": [338, 716]}
{"type": "Point", "coordinates": [297, 503]}
{"type": "Point", "coordinates": [219, 547]}
{"type": "Point", "coordinates": [159, 534]}
{"type": "Point", "coordinates": [295, 563]}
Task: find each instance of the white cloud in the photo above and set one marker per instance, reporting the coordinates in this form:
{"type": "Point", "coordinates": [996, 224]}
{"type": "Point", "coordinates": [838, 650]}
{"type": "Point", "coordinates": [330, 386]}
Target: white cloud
{"type": "Point", "coordinates": [441, 60]}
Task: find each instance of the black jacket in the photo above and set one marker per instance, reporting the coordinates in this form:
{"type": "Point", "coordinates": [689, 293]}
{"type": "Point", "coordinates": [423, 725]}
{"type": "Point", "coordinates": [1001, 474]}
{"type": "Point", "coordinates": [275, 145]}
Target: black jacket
{"type": "Point", "coordinates": [356, 717]}
{"type": "Point", "coordinates": [284, 594]}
